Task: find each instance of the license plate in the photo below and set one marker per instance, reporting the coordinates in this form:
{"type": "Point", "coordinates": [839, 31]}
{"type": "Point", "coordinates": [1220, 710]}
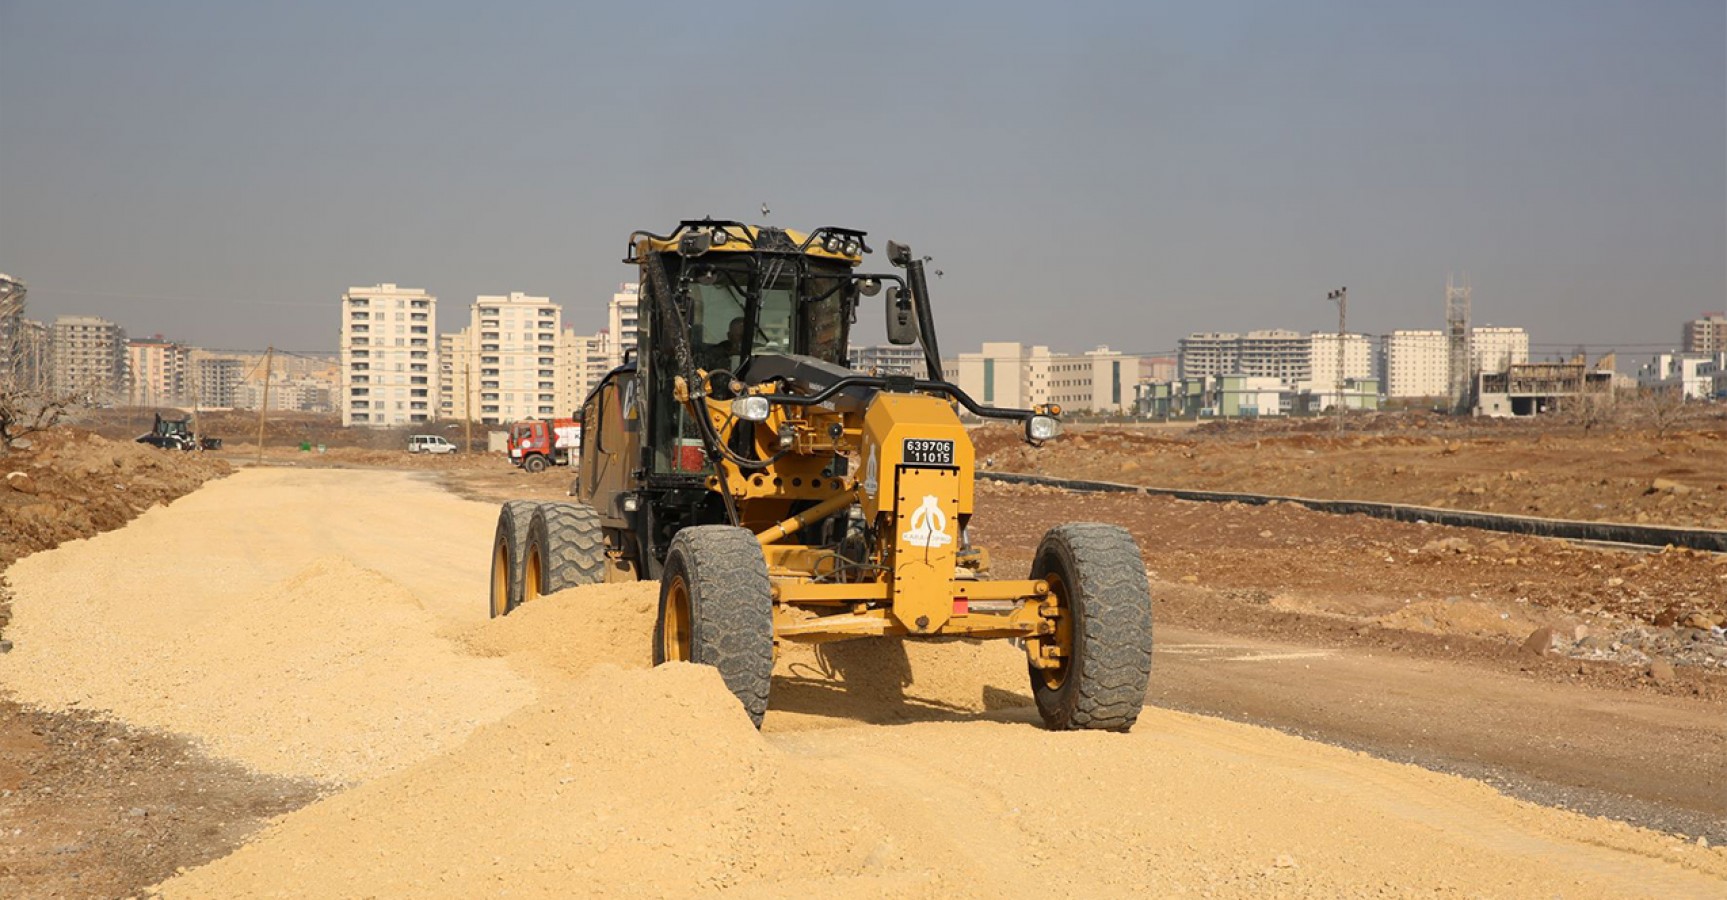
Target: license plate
{"type": "Point", "coordinates": [923, 452]}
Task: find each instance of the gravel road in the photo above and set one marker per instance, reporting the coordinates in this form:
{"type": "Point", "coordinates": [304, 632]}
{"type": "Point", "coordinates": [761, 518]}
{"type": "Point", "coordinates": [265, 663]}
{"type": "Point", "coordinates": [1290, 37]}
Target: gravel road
{"type": "Point", "coordinates": [330, 624]}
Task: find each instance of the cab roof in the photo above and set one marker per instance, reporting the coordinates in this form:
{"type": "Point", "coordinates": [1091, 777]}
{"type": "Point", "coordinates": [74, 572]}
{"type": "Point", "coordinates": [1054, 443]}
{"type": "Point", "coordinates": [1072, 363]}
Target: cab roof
{"type": "Point", "coordinates": [742, 238]}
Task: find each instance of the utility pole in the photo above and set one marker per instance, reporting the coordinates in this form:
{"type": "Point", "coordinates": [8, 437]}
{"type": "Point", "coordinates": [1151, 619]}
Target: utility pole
{"type": "Point", "coordinates": [467, 402]}
{"type": "Point", "coordinates": [1341, 298]}
{"type": "Point", "coordinates": [264, 407]}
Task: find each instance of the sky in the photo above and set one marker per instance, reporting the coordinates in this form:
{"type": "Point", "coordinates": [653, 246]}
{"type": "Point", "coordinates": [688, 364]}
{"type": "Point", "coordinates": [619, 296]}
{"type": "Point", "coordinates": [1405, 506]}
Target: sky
{"type": "Point", "coordinates": [1081, 173]}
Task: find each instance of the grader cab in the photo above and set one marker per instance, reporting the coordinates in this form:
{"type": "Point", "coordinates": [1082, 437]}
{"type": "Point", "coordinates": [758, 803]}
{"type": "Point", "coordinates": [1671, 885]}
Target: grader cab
{"type": "Point", "coordinates": [777, 495]}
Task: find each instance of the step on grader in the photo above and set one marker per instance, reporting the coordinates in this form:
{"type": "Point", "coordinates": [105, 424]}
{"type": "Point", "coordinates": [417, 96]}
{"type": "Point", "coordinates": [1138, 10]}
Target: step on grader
{"type": "Point", "coordinates": [777, 495]}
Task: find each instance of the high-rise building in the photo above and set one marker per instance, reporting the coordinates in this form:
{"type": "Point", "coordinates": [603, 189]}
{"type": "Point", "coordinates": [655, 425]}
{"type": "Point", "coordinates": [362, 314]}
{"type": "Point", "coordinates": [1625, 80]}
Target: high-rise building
{"type": "Point", "coordinates": [457, 390]}
{"type": "Point", "coordinates": [515, 338]}
{"type": "Point", "coordinates": [1277, 353]}
{"type": "Point", "coordinates": [388, 356]}
{"type": "Point", "coordinates": [12, 292]}
{"type": "Point", "coordinates": [622, 321]}
{"type": "Point", "coordinates": [160, 371]}
{"type": "Point", "coordinates": [1208, 353]}
{"type": "Point", "coordinates": [888, 359]}
{"type": "Point", "coordinates": [1497, 349]}
{"type": "Point", "coordinates": [1322, 355]}
{"type": "Point", "coordinates": [583, 359]}
{"type": "Point", "coordinates": [214, 379]}
{"type": "Point", "coordinates": [1016, 376]}
{"type": "Point", "coordinates": [1706, 335]}
{"type": "Point", "coordinates": [1417, 364]}
{"type": "Point", "coordinates": [89, 355]}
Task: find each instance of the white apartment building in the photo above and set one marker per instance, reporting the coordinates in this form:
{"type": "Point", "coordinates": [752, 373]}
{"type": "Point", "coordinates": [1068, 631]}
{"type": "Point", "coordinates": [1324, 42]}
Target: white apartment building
{"type": "Point", "coordinates": [515, 338]}
{"type": "Point", "coordinates": [1322, 356]}
{"type": "Point", "coordinates": [160, 372]}
{"type": "Point", "coordinates": [1496, 349]}
{"type": "Point", "coordinates": [888, 359]}
{"type": "Point", "coordinates": [1706, 335]}
{"type": "Point", "coordinates": [1012, 375]}
{"type": "Point", "coordinates": [1208, 353]}
{"type": "Point", "coordinates": [455, 382]}
{"type": "Point", "coordinates": [1417, 364]}
{"type": "Point", "coordinates": [583, 359]}
{"type": "Point", "coordinates": [622, 321]}
{"type": "Point", "coordinates": [89, 359]}
{"type": "Point", "coordinates": [388, 358]}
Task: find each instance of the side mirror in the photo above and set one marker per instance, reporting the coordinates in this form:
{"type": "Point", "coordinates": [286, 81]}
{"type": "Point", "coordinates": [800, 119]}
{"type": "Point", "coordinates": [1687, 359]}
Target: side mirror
{"type": "Point", "coordinates": [901, 318]}
{"type": "Point", "coordinates": [898, 254]}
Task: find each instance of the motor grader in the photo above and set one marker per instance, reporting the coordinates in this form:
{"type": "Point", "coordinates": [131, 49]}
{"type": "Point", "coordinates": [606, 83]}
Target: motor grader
{"type": "Point", "coordinates": [777, 495]}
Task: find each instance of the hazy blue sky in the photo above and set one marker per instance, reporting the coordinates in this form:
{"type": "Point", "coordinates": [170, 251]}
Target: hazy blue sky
{"type": "Point", "coordinates": [1118, 173]}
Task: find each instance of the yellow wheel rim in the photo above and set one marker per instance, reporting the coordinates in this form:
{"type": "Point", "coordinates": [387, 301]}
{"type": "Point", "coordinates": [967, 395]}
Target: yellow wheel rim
{"type": "Point", "coordinates": [675, 636]}
{"type": "Point", "coordinates": [500, 580]}
{"type": "Point", "coordinates": [1055, 677]}
{"type": "Point", "coordinates": [531, 587]}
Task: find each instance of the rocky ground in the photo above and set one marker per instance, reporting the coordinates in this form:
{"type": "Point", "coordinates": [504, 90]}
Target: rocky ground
{"type": "Point", "coordinates": [1543, 468]}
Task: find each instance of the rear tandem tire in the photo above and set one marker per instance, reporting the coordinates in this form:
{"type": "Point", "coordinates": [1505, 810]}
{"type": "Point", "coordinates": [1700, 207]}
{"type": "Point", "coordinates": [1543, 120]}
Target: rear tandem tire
{"type": "Point", "coordinates": [566, 549]}
{"type": "Point", "coordinates": [717, 609]}
{"type": "Point", "coordinates": [1098, 576]}
{"type": "Point", "coordinates": [510, 555]}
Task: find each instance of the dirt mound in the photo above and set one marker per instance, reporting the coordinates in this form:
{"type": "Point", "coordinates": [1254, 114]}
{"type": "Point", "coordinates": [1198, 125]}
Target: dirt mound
{"type": "Point", "coordinates": [652, 782]}
{"type": "Point", "coordinates": [335, 673]}
{"type": "Point", "coordinates": [569, 633]}
{"type": "Point", "coordinates": [69, 484]}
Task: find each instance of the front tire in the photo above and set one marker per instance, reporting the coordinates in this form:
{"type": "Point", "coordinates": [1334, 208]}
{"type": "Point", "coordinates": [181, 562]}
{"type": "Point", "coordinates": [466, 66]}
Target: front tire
{"type": "Point", "coordinates": [534, 465]}
{"type": "Point", "coordinates": [1098, 579]}
{"type": "Point", "coordinates": [566, 549]}
{"type": "Point", "coordinates": [717, 609]}
{"type": "Point", "coordinates": [510, 555]}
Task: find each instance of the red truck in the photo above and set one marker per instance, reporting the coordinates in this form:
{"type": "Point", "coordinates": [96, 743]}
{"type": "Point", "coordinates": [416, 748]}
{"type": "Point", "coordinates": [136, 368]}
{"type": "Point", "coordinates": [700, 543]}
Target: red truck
{"type": "Point", "coordinates": [538, 443]}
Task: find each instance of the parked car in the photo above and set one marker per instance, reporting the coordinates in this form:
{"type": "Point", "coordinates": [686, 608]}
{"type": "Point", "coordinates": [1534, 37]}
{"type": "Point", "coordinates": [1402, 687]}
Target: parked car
{"type": "Point", "coordinates": [430, 443]}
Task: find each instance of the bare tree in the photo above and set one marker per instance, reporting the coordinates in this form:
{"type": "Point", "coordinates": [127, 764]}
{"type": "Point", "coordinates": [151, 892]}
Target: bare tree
{"type": "Point", "coordinates": [25, 411]}
{"type": "Point", "coordinates": [1662, 409]}
{"type": "Point", "coordinates": [1590, 410]}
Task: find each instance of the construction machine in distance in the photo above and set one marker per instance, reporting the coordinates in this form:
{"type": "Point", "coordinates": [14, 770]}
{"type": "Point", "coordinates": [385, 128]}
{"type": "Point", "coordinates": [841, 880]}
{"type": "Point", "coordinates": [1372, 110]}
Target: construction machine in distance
{"type": "Point", "coordinates": [176, 434]}
{"type": "Point", "coordinates": [777, 495]}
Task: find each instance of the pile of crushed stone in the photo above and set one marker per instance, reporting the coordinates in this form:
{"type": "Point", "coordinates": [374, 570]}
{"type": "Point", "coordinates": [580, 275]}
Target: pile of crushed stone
{"type": "Point", "coordinates": [630, 781]}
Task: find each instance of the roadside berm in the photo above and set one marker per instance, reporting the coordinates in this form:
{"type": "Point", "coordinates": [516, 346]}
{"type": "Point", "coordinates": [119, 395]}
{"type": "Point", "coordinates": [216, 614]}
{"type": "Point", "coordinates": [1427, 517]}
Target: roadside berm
{"type": "Point", "coordinates": [320, 625]}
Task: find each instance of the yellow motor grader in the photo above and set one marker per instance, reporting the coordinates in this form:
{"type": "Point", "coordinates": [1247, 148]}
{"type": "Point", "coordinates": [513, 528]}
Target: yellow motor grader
{"type": "Point", "coordinates": [778, 495]}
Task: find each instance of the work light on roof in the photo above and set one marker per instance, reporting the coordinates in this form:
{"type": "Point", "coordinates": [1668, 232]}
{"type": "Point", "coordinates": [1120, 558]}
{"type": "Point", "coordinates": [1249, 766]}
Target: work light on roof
{"type": "Point", "coordinates": [833, 243]}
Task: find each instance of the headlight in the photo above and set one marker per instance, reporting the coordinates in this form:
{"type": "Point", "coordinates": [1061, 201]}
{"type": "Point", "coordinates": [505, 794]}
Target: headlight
{"type": "Point", "coordinates": [833, 243]}
{"type": "Point", "coordinates": [853, 246]}
{"type": "Point", "coordinates": [752, 409]}
{"type": "Point", "coordinates": [1041, 428]}
{"type": "Point", "coordinates": [720, 237]}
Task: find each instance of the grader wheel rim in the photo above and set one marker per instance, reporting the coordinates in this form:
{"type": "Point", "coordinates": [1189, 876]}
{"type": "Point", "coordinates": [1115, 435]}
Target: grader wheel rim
{"type": "Point", "coordinates": [500, 580]}
{"type": "Point", "coordinates": [531, 577]}
{"type": "Point", "coordinates": [1062, 639]}
{"type": "Point", "coordinates": [677, 637]}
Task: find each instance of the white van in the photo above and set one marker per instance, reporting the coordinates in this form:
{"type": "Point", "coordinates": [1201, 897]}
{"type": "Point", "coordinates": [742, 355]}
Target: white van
{"type": "Point", "coordinates": [430, 443]}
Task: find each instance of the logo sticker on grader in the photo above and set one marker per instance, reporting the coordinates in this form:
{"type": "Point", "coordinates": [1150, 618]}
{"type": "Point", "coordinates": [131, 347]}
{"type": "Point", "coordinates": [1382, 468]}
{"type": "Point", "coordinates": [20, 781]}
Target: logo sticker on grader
{"type": "Point", "coordinates": [928, 525]}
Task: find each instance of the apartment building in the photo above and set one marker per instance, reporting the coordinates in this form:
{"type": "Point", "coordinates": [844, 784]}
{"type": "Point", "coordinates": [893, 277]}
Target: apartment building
{"type": "Point", "coordinates": [513, 339]}
{"type": "Point", "coordinates": [457, 392]}
{"type": "Point", "coordinates": [1203, 354]}
{"type": "Point", "coordinates": [215, 378]}
{"type": "Point", "coordinates": [89, 359]}
{"type": "Point", "coordinates": [161, 372]}
{"type": "Point", "coordinates": [1497, 349]}
{"type": "Point", "coordinates": [1013, 375]}
{"type": "Point", "coordinates": [1322, 360]}
{"type": "Point", "coordinates": [1706, 335]}
{"type": "Point", "coordinates": [1417, 364]}
{"type": "Point", "coordinates": [888, 359]}
{"type": "Point", "coordinates": [623, 322]}
{"type": "Point", "coordinates": [387, 356]}
{"type": "Point", "coordinates": [583, 359]}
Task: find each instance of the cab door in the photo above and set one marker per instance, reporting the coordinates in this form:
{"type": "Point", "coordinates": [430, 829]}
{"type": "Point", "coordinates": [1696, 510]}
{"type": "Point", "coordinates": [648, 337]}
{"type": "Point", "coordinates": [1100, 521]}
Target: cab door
{"type": "Point", "coordinates": [610, 438]}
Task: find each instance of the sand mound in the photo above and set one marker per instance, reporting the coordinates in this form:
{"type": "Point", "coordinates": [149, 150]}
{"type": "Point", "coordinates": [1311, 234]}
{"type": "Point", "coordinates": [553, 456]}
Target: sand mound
{"type": "Point", "coordinates": [335, 673]}
{"type": "Point", "coordinates": [626, 782]}
{"type": "Point", "coordinates": [871, 680]}
{"type": "Point", "coordinates": [570, 632]}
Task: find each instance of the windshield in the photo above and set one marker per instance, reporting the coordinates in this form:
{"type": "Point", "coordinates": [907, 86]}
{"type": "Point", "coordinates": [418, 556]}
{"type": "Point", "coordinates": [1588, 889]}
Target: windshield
{"type": "Point", "coordinates": [792, 315]}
